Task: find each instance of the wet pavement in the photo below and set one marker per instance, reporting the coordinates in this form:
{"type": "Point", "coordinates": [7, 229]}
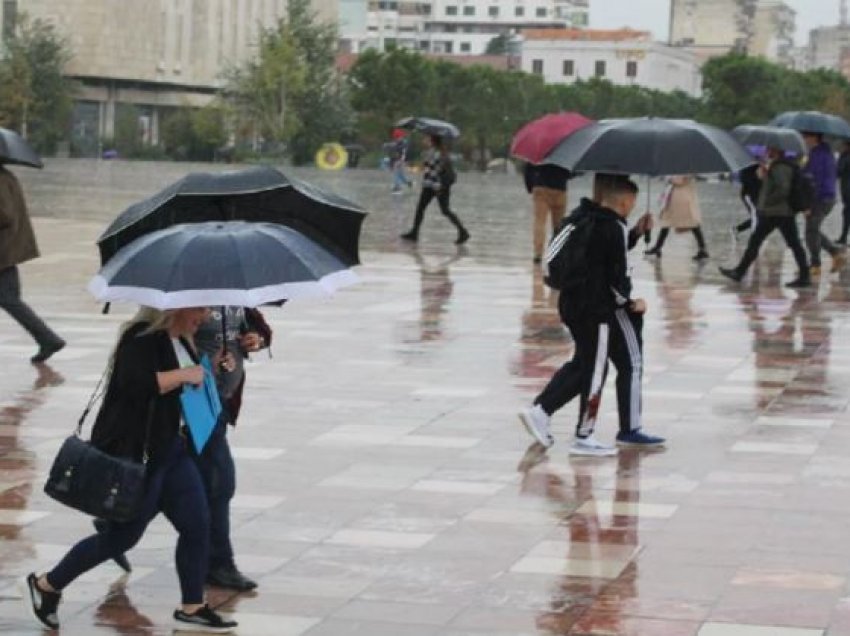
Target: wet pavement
{"type": "Point", "coordinates": [385, 484]}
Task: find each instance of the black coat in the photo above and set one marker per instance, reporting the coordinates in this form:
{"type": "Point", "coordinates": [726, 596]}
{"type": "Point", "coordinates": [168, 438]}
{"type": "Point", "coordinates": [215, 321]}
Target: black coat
{"type": "Point", "coordinates": [133, 391]}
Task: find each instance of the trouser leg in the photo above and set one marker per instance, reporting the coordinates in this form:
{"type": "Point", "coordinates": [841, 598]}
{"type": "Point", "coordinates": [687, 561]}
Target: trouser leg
{"type": "Point", "coordinates": [218, 472]}
{"type": "Point", "coordinates": [626, 352]}
{"type": "Point", "coordinates": [788, 228]}
{"type": "Point", "coordinates": [662, 236]}
{"type": "Point", "coordinates": [424, 199]}
{"type": "Point", "coordinates": [764, 227]}
{"type": "Point", "coordinates": [444, 201]}
{"type": "Point", "coordinates": [815, 239]}
{"type": "Point", "coordinates": [593, 381]}
{"type": "Point", "coordinates": [698, 235]}
{"type": "Point", "coordinates": [11, 302]}
{"type": "Point", "coordinates": [567, 382]}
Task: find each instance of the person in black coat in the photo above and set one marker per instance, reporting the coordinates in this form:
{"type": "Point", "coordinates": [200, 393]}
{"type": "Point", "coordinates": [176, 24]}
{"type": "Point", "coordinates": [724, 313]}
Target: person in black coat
{"type": "Point", "coordinates": [140, 418]}
{"type": "Point", "coordinates": [844, 185]}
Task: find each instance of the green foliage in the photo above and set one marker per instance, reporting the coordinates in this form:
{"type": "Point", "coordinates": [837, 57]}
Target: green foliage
{"type": "Point", "coordinates": [35, 97]}
{"type": "Point", "coordinates": [193, 134]}
{"type": "Point", "coordinates": [499, 45]}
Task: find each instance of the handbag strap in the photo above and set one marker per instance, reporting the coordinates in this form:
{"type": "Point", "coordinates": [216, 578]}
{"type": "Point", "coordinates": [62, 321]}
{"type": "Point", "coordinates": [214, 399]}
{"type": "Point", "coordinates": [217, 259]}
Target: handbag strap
{"type": "Point", "coordinates": [97, 395]}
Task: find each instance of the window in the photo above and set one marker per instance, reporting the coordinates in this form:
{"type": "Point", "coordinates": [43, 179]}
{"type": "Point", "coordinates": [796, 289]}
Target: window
{"type": "Point", "coordinates": [448, 47]}
{"type": "Point", "coordinates": [631, 69]}
{"type": "Point", "coordinates": [537, 67]}
{"type": "Point", "coordinates": [493, 12]}
{"type": "Point", "coordinates": [569, 68]}
{"type": "Point", "coordinates": [469, 10]}
{"type": "Point", "coordinates": [540, 12]}
{"type": "Point", "coordinates": [519, 11]}
{"type": "Point", "coordinates": [451, 10]}
{"type": "Point", "coordinates": [599, 70]}
{"type": "Point", "coordinates": [423, 45]}
{"type": "Point", "coordinates": [465, 47]}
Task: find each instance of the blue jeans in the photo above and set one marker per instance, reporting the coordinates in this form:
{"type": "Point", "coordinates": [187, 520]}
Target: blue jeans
{"type": "Point", "coordinates": [400, 176]}
{"type": "Point", "coordinates": [175, 489]}
{"type": "Point", "coordinates": [219, 475]}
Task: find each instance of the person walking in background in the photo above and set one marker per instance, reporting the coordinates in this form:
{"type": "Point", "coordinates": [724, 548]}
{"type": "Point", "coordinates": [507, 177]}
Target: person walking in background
{"type": "Point", "coordinates": [18, 245]}
{"type": "Point", "coordinates": [141, 416]}
{"type": "Point", "coordinates": [750, 188]}
{"type": "Point", "coordinates": [547, 185]}
{"type": "Point", "coordinates": [843, 172]}
{"type": "Point", "coordinates": [774, 213]}
{"type": "Point", "coordinates": [680, 211]}
{"type": "Point", "coordinates": [603, 320]}
{"type": "Point", "coordinates": [821, 168]}
{"type": "Point", "coordinates": [437, 181]}
{"type": "Point", "coordinates": [398, 160]}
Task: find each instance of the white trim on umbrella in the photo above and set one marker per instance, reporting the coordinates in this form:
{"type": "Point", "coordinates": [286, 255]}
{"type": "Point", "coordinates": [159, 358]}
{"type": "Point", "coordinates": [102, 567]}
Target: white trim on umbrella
{"type": "Point", "coordinates": [324, 287]}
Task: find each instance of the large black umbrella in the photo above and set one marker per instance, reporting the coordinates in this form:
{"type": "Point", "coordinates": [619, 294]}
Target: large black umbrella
{"type": "Point", "coordinates": [650, 146]}
{"type": "Point", "coordinates": [220, 263]}
{"type": "Point", "coordinates": [786, 139]}
{"type": "Point", "coordinates": [430, 126]}
{"type": "Point", "coordinates": [14, 149]}
{"type": "Point", "coordinates": [813, 121]}
{"type": "Point", "coordinates": [258, 194]}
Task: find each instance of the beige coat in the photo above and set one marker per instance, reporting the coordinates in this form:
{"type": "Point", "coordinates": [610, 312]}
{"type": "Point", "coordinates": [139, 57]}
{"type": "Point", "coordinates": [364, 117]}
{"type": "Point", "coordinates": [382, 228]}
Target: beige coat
{"type": "Point", "coordinates": [17, 240]}
{"type": "Point", "coordinates": [681, 211]}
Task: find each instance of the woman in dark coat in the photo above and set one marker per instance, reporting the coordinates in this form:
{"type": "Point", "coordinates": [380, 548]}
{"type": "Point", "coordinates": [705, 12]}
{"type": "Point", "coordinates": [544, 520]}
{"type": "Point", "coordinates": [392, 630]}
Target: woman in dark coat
{"type": "Point", "coordinates": [437, 182]}
{"type": "Point", "coordinates": [140, 418]}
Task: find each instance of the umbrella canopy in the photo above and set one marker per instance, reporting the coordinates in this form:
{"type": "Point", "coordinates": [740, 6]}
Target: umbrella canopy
{"type": "Point", "coordinates": [650, 146]}
{"type": "Point", "coordinates": [813, 121]}
{"type": "Point", "coordinates": [786, 139]}
{"type": "Point", "coordinates": [258, 194]}
{"type": "Point", "coordinates": [215, 263]}
{"type": "Point", "coordinates": [14, 149]}
{"type": "Point", "coordinates": [429, 126]}
{"type": "Point", "coordinates": [536, 139]}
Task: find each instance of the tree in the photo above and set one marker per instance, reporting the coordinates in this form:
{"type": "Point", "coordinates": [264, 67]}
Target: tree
{"type": "Point", "coordinates": [35, 97]}
{"type": "Point", "coordinates": [499, 45]}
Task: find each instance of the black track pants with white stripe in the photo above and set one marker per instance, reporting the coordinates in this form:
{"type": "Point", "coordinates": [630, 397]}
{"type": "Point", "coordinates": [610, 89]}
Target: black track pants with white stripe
{"type": "Point", "coordinates": [625, 350]}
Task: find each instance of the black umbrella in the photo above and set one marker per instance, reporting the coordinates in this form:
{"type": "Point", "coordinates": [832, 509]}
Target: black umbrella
{"type": "Point", "coordinates": [14, 149]}
{"type": "Point", "coordinates": [650, 146]}
{"type": "Point", "coordinates": [430, 126]}
{"type": "Point", "coordinates": [220, 263]}
{"type": "Point", "coordinates": [813, 121]}
{"type": "Point", "coordinates": [258, 194]}
{"type": "Point", "coordinates": [786, 139]}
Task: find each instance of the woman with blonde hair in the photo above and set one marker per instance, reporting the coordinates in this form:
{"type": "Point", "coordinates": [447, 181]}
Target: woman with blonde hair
{"type": "Point", "coordinates": [680, 211]}
{"type": "Point", "coordinates": [140, 418]}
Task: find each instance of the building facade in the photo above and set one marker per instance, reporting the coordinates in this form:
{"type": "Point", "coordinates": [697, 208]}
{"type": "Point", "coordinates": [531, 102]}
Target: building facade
{"type": "Point", "coordinates": [460, 27]}
{"type": "Point", "coordinates": [144, 58]}
{"type": "Point", "coordinates": [714, 27]}
{"type": "Point", "coordinates": [826, 46]}
{"type": "Point", "coordinates": [624, 57]}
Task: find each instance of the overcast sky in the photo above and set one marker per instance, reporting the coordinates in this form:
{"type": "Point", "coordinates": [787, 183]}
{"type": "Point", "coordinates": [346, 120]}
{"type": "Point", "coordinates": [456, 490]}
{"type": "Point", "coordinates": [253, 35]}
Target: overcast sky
{"type": "Point", "coordinates": [654, 15]}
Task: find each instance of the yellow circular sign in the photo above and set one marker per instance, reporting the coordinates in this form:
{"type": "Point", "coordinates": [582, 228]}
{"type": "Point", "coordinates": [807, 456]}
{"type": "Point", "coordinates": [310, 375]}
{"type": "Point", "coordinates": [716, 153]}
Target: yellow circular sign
{"type": "Point", "coordinates": [332, 156]}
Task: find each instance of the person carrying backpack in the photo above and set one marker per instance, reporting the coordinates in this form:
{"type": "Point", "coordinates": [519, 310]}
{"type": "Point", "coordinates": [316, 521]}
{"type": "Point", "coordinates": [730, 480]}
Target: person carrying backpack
{"type": "Point", "coordinates": [596, 306]}
{"type": "Point", "coordinates": [782, 191]}
{"type": "Point", "coordinates": [437, 182]}
{"type": "Point", "coordinates": [821, 168]}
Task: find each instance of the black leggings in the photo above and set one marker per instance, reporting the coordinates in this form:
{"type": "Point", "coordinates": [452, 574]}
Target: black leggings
{"type": "Point", "coordinates": [662, 236]}
{"type": "Point", "coordinates": [443, 196]}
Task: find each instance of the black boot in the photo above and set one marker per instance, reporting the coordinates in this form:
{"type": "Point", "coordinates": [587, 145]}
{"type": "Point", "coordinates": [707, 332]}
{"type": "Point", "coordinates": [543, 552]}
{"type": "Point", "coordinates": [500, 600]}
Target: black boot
{"type": "Point", "coordinates": [732, 274]}
{"type": "Point", "coordinates": [413, 236]}
{"type": "Point", "coordinates": [462, 236]}
{"type": "Point", "coordinates": [802, 281]}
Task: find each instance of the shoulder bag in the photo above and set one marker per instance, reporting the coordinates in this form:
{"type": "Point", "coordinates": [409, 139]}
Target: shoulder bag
{"type": "Point", "coordinates": [89, 480]}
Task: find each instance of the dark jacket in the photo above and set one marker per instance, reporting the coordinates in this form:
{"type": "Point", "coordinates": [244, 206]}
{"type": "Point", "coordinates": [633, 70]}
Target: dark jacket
{"type": "Point", "coordinates": [774, 198]}
{"type": "Point", "coordinates": [844, 175]}
{"type": "Point", "coordinates": [545, 176]}
{"type": "Point", "coordinates": [131, 393]}
{"type": "Point", "coordinates": [821, 168]}
{"type": "Point", "coordinates": [609, 284]}
{"type": "Point", "coordinates": [17, 240]}
{"type": "Point", "coordinates": [750, 183]}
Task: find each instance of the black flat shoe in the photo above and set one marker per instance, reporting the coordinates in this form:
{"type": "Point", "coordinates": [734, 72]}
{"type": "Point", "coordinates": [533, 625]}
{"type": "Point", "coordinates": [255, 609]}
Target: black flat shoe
{"type": "Point", "coordinates": [462, 237]}
{"type": "Point", "coordinates": [47, 350]}
{"type": "Point", "coordinates": [701, 255]}
{"type": "Point", "coordinates": [653, 252]}
{"type": "Point", "coordinates": [731, 274]}
{"type": "Point", "coordinates": [231, 579]}
{"type": "Point", "coordinates": [409, 236]}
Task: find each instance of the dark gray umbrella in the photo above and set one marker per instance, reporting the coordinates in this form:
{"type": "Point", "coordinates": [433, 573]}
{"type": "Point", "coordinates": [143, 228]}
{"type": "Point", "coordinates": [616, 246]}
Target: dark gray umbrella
{"type": "Point", "coordinates": [430, 126]}
{"type": "Point", "coordinates": [650, 146]}
{"type": "Point", "coordinates": [258, 194]}
{"type": "Point", "coordinates": [813, 121]}
{"type": "Point", "coordinates": [786, 139]}
{"type": "Point", "coordinates": [230, 263]}
{"type": "Point", "coordinates": [14, 149]}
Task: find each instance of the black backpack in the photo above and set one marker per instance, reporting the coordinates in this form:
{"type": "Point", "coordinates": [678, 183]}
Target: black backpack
{"type": "Point", "coordinates": [802, 194]}
{"type": "Point", "coordinates": [447, 173]}
{"type": "Point", "coordinates": [565, 261]}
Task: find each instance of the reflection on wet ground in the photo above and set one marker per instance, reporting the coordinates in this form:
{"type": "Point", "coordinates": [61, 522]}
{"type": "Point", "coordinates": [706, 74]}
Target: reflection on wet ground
{"type": "Point", "coordinates": [385, 486]}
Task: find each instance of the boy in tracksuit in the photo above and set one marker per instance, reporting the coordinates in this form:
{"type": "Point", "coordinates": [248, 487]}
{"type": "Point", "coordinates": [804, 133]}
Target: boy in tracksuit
{"type": "Point", "coordinates": [605, 322]}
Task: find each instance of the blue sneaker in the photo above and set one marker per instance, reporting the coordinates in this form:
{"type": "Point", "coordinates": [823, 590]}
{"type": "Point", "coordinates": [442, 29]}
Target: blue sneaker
{"type": "Point", "coordinates": [639, 439]}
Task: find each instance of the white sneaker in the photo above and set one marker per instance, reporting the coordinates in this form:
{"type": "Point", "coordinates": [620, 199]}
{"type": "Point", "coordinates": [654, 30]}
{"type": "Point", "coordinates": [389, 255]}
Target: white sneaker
{"type": "Point", "coordinates": [590, 447]}
{"type": "Point", "coordinates": [536, 422]}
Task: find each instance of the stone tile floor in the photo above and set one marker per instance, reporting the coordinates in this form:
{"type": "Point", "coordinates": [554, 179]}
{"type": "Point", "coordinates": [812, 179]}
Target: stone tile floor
{"type": "Point", "coordinates": [387, 488]}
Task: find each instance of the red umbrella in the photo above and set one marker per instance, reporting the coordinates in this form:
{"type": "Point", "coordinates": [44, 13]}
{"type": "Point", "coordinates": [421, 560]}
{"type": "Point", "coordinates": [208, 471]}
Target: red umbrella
{"type": "Point", "coordinates": [537, 138]}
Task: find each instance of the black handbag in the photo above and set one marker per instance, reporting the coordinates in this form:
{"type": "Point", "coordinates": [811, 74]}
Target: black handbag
{"type": "Point", "coordinates": [92, 481]}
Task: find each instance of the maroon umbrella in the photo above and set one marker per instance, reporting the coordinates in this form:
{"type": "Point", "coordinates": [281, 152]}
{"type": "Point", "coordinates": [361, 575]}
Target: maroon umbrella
{"type": "Point", "coordinates": [537, 138]}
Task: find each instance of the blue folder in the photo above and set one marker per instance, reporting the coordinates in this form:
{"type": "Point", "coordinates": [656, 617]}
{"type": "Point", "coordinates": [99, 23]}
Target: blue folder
{"type": "Point", "coordinates": [201, 407]}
